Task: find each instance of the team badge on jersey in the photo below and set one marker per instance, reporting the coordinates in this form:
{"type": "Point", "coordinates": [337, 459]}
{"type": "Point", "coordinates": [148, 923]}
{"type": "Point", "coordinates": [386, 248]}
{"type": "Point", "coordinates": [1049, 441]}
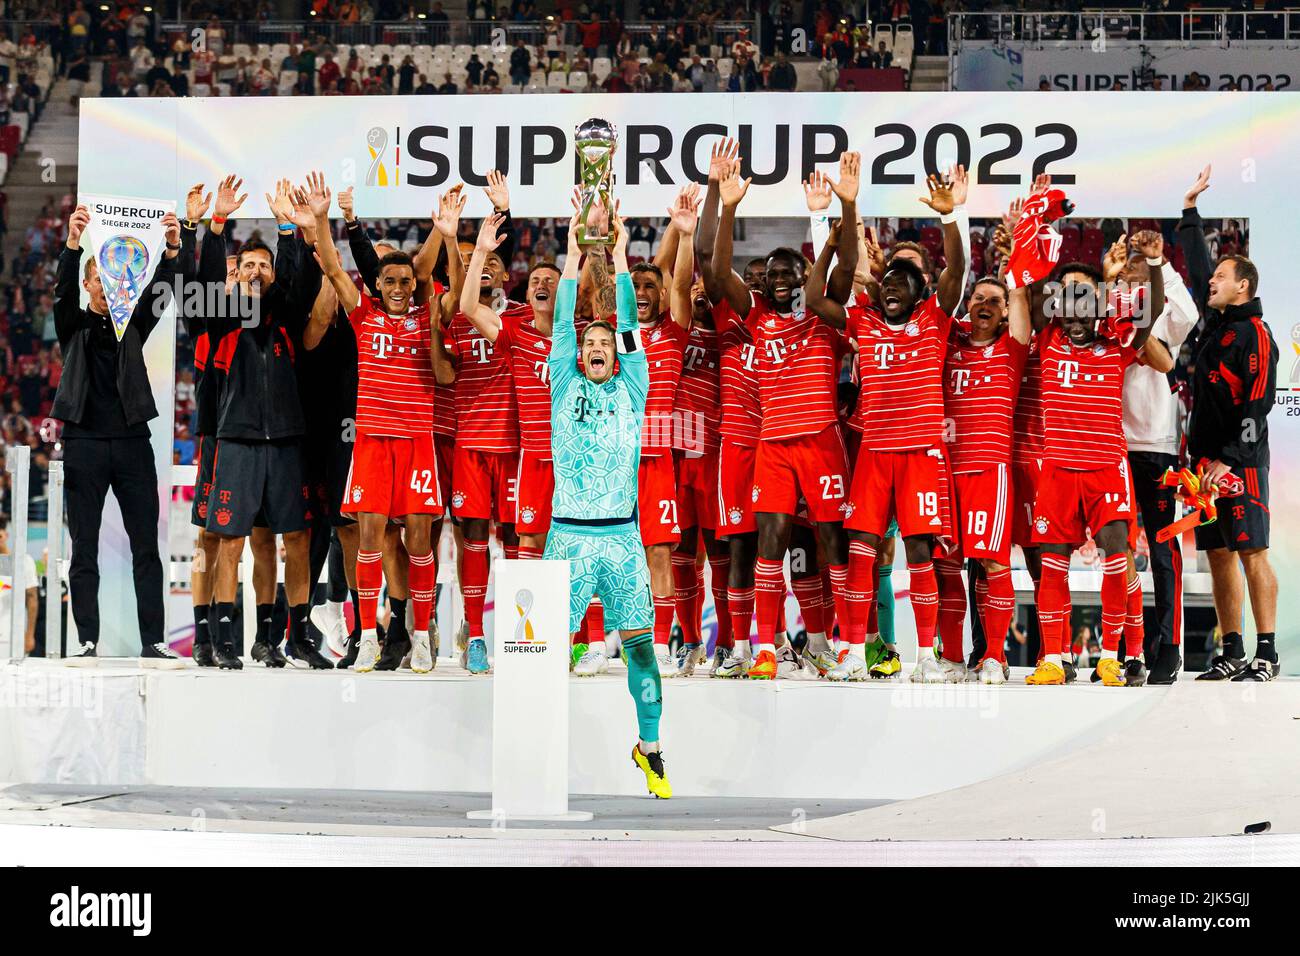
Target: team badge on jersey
{"type": "Point", "coordinates": [527, 514]}
{"type": "Point", "coordinates": [409, 325]}
{"type": "Point", "coordinates": [1040, 525]}
{"type": "Point", "coordinates": [912, 328]}
{"type": "Point", "coordinates": [458, 499]}
{"type": "Point", "coordinates": [734, 515]}
{"type": "Point", "coordinates": [356, 493]}
{"type": "Point", "coordinates": [847, 508]}
{"type": "Point", "coordinates": [754, 495]}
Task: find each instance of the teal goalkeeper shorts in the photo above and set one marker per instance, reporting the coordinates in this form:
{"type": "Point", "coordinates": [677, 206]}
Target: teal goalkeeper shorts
{"type": "Point", "coordinates": [606, 561]}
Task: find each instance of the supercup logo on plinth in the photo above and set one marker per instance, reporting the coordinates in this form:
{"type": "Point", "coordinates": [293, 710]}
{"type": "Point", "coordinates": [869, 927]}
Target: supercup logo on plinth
{"type": "Point", "coordinates": [525, 640]}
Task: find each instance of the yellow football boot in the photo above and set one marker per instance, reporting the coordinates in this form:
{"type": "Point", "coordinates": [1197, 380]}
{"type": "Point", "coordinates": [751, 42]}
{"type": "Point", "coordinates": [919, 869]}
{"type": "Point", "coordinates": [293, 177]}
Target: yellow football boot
{"type": "Point", "coordinates": [889, 666]}
{"type": "Point", "coordinates": [656, 778]}
{"type": "Point", "coordinates": [1047, 673]}
{"type": "Point", "coordinates": [1110, 672]}
{"type": "Point", "coordinates": [764, 667]}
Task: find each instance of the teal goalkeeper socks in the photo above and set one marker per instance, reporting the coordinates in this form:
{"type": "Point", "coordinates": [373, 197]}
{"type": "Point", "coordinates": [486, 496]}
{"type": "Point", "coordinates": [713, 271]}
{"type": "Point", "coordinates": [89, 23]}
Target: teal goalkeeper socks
{"type": "Point", "coordinates": [644, 685]}
{"type": "Point", "coordinates": [885, 605]}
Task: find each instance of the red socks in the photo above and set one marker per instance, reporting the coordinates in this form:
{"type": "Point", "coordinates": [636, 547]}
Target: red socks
{"type": "Point", "coordinates": [687, 587]}
{"type": "Point", "coordinates": [529, 554]}
{"type": "Point", "coordinates": [859, 594]}
{"type": "Point", "coordinates": [925, 601]}
{"type": "Point", "coordinates": [1134, 626]}
{"type": "Point", "coordinates": [999, 609]}
{"type": "Point", "coordinates": [808, 592]}
{"type": "Point", "coordinates": [370, 578]}
{"type": "Point", "coordinates": [740, 605]}
{"type": "Point", "coordinates": [474, 586]}
{"type": "Point", "coordinates": [719, 572]}
{"type": "Point", "coordinates": [663, 621]}
{"type": "Point", "coordinates": [952, 608]}
{"type": "Point", "coordinates": [769, 592]}
{"type": "Point", "coordinates": [1053, 595]}
{"type": "Point", "coordinates": [833, 607]}
{"type": "Point", "coordinates": [420, 580]}
{"type": "Point", "coordinates": [1114, 600]}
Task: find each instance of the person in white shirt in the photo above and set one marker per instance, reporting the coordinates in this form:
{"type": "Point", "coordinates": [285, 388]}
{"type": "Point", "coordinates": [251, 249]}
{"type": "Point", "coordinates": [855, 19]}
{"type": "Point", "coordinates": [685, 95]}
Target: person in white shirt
{"type": "Point", "coordinates": [27, 571]}
{"type": "Point", "coordinates": [1151, 426]}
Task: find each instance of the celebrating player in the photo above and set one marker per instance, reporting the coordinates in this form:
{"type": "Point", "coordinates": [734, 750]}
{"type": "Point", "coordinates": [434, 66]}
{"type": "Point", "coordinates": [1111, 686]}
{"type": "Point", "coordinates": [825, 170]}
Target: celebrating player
{"type": "Point", "coordinates": [596, 422]}
{"type": "Point", "coordinates": [394, 468]}
{"type": "Point", "coordinates": [800, 451]}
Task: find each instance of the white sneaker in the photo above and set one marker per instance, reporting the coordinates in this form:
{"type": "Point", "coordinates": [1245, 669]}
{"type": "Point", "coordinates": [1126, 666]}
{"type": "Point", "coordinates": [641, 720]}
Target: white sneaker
{"type": "Point", "coordinates": [991, 672]}
{"type": "Point", "coordinates": [731, 666]}
{"type": "Point", "coordinates": [421, 654]}
{"type": "Point", "coordinates": [591, 663]}
{"type": "Point", "coordinates": [852, 668]}
{"type": "Point", "coordinates": [787, 661]}
{"type": "Point", "coordinates": [328, 618]}
{"type": "Point", "coordinates": [367, 653]}
{"type": "Point", "coordinates": [927, 670]}
{"type": "Point", "coordinates": [687, 658]}
{"type": "Point", "coordinates": [462, 644]}
{"type": "Point", "coordinates": [954, 672]}
{"type": "Point", "coordinates": [667, 663]}
{"type": "Point", "coordinates": [823, 661]}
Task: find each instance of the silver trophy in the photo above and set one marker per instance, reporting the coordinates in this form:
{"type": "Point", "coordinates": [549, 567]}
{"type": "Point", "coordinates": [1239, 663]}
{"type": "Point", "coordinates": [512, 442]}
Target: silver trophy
{"type": "Point", "coordinates": [595, 141]}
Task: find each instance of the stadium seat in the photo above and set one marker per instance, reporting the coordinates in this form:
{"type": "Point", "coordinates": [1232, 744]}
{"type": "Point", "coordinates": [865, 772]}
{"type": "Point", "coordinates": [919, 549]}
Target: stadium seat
{"type": "Point", "coordinates": [462, 52]}
{"type": "Point", "coordinates": [363, 52]}
{"type": "Point", "coordinates": [578, 81]}
{"type": "Point", "coordinates": [601, 67]}
{"type": "Point", "coordinates": [202, 89]}
{"type": "Point", "coordinates": [640, 250]}
{"type": "Point", "coordinates": [484, 51]}
{"type": "Point", "coordinates": [402, 49]}
{"type": "Point", "coordinates": [380, 50]}
{"type": "Point", "coordinates": [279, 51]}
{"type": "Point", "coordinates": [538, 79]}
{"type": "Point", "coordinates": [885, 32]}
{"type": "Point", "coordinates": [443, 50]}
{"type": "Point", "coordinates": [557, 80]}
{"type": "Point", "coordinates": [242, 49]}
{"type": "Point", "coordinates": [904, 45]}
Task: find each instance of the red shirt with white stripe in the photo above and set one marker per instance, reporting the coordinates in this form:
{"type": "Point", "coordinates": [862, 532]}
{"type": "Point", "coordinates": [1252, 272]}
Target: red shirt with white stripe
{"type": "Point", "coordinates": [798, 358]}
{"type": "Point", "coordinates": [395, 383]}
{"type": "Point", "coordinates": [742, 416]}
{"type": "Point", "coordinates": [485, 395]}
{"type": "Point", "coordinates": [664, 343]}
{"type": "Point", "coordinates": [980, 383]}
{"type": "Point", "coordinates": [900, 370]}
{"type": "Point", "coordinates": [1027, 423]}
{"type": "Point", "coordinates": [699, 408]}
{"type": "Point", "coordinates": [1083, 411]}
{"type": "Point", "coordinates": [528, 351]}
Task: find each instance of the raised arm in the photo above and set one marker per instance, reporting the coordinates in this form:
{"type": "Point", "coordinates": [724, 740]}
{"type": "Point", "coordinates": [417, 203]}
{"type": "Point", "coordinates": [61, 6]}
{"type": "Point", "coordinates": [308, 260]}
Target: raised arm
{"type": "Point", "coordinates": [720, 159]}
{"type": "Point", "coordinates": [68, 314]}
{"type": "Point", "coordinates": [817, 193]}
{"type": "Point", "coordinates": [684, 214]}
{"type": "Point", "coordinates": [498, 193]}
{"type": "Point", "coordinates": [481, 316]}
{"type": "Point", "coordinates": [839, 286]}
{"type": "Point", "coordinates": [634, 371]}
{"type": "Point", "coordinates": [815, 298]}
{"type": "Point", "coordinates": [665, 256]}
{"type": "Point", "coordinates": [563, 360]}
{"type": "Point", "coordinates": [363, 250]}
{"type": "Point", "coordinates": [941, 201]}
{"type": "Point", "coordinates": [731, 189]}
{"type": "Point", "coordinates": [348, 296]}
{"type": "Point", "coordinates": [1019, 325]}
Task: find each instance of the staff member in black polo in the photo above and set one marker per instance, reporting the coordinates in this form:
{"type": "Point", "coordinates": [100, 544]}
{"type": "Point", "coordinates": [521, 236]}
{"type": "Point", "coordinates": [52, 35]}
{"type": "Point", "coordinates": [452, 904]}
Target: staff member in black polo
{"type": "Point", "coordinates": [105, 404]}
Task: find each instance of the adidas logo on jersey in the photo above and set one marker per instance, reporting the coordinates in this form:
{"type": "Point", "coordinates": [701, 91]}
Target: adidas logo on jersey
{"type": "Point", "coordinates": [431, 502]}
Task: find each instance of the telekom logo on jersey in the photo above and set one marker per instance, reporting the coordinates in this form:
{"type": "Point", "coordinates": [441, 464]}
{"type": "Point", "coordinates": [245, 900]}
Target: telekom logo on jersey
{"type": "Point", "coordinates": [1067, 372]}
{"type": "Point", "coordinates": [884, 352]}
{"type": "Point", "coordinates": [381, 342]}
{"type": "Point", "coordinates": [960, 379]}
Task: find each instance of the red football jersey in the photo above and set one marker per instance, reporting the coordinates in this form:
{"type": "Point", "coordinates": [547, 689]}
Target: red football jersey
{"type": "Point", "coordinates": [528, 351]}
{"type": "Point", "coordinates": [980, 383]}
{"type": "Point", "coordinates": [1027, 422]}
{"type": "Point", "coordinates": [798, 361]}
{"type": "Point", "coordinates": [485, 395]}
{"type": "Point", "coordinates": [395, 384]}
{"type": "Point", "coordinates": [699, 408]}
{"type": "Point", "coordinates": [742, 417]}
{"type": "Point", "coordinates": [1083, 412]}
{"type": "Point", "coordinates": [664, 343]}
{"type": "Point", "coordinates": [900, 372]}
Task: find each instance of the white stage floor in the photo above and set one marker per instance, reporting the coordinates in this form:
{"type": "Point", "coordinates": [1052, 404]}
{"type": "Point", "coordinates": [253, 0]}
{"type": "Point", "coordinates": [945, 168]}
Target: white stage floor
{"type": "Point", "coordinates": [805, 759]}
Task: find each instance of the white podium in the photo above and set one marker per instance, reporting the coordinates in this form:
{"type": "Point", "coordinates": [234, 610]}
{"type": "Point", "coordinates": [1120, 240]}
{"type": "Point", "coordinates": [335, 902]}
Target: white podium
{"type": "Point", "coordinates": [530, 694]}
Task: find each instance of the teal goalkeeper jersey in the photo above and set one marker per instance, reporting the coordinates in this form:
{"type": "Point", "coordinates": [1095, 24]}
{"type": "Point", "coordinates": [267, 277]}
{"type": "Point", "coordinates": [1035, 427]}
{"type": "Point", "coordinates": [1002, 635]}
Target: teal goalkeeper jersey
{"type": "Point", "coordinates": [596, 429]}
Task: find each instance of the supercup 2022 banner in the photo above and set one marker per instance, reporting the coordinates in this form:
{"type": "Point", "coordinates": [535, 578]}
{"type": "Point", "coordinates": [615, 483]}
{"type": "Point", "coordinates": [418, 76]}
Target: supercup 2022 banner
{"type": "Point", "coordinates": [1119, 155]}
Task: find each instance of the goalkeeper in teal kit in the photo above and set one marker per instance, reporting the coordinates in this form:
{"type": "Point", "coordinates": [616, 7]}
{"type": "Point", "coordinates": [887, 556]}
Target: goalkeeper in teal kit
{"type": "Point", "coordinates": [596, 415]}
